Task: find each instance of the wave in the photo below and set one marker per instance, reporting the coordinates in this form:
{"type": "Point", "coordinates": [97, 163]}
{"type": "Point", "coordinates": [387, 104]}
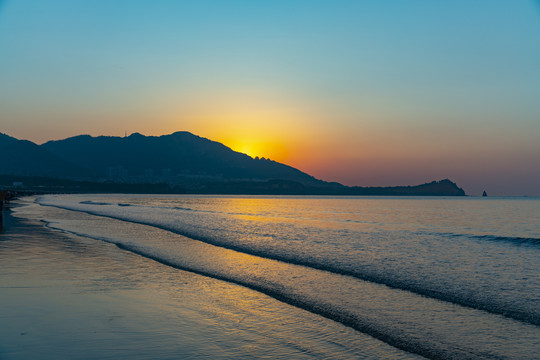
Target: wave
{"type": "Point", "coordinates": [488, 305]}
{"type": "Point", "coordinates": [182, 208]}
{"type": "Point", "coordinates": [97, 203]}
{"type": "Point", "coordinates": [90, 202]}
{"type": "Point", "coordinates": [415, 336]}
{"type": "Point", "coordinates": [516, 240]}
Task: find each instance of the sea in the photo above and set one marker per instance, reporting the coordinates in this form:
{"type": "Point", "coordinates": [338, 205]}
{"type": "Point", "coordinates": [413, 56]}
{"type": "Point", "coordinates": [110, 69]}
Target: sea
{"type": "Point", "coordinates": [409, 277]}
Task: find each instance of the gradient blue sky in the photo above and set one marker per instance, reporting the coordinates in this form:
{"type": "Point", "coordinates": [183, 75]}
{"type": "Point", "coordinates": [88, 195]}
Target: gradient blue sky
{"type": "Point", "coordinates": [361, 92]}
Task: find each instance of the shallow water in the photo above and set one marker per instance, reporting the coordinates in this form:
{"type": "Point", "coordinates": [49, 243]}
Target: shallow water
{"type": "Point", "coordinates": [68, 297]}
{"type": "Point", "coordinates": [444, 278]}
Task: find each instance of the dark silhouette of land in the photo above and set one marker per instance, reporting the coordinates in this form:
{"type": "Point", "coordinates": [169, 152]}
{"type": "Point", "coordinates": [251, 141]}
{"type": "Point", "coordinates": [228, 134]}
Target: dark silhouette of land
{"type": "Point", "coordinates": [177, 163]}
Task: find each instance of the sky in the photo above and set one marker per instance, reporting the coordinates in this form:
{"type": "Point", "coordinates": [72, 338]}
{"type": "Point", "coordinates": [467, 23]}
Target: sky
{"type": "Point", "coordinates": [360, 92]}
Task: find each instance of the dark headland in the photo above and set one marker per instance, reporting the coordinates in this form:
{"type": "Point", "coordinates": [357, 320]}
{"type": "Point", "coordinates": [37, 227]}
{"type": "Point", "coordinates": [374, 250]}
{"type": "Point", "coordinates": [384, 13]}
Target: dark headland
{"type": "Point", "coordinates": [179, 163]}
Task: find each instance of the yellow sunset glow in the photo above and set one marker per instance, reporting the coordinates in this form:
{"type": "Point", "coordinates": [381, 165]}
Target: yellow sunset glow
{"type": "Point", "coordinates": [253, 147]}
{"type": "Point", "coordinates": [248, 149]}
{"type": "Point", "coordinates": [263, 126]}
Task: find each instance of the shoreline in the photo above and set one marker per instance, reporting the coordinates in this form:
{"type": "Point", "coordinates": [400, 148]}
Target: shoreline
{"type": "Point", "coordinates": [84, 299]}
{"type": "Point", "coordinates": [171, 235]}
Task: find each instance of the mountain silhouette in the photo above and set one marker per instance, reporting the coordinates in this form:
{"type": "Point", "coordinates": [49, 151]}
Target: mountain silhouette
{"type": "Point", "coordinates": [177, 154]}
{"type": "Point", "coordinates": [23, 157]}
{"type": "Point", "coordinates": [177, 163]}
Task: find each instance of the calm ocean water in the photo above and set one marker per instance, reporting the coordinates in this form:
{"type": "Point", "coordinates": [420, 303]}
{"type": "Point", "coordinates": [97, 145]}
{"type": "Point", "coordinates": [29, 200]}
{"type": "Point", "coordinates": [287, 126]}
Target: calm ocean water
{"type": "Point", "coordinates": [455, 278]}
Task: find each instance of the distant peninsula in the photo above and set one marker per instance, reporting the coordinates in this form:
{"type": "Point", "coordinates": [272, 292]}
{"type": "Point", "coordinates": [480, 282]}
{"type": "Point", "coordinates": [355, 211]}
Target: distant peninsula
{"type": "Point", "coordinates": [179, 163]}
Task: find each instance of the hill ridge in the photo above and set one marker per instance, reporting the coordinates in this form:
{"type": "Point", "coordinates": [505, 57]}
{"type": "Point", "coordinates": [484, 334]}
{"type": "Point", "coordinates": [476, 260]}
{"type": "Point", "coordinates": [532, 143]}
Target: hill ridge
{"type": "Point", "coordinates": [178, 160]}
